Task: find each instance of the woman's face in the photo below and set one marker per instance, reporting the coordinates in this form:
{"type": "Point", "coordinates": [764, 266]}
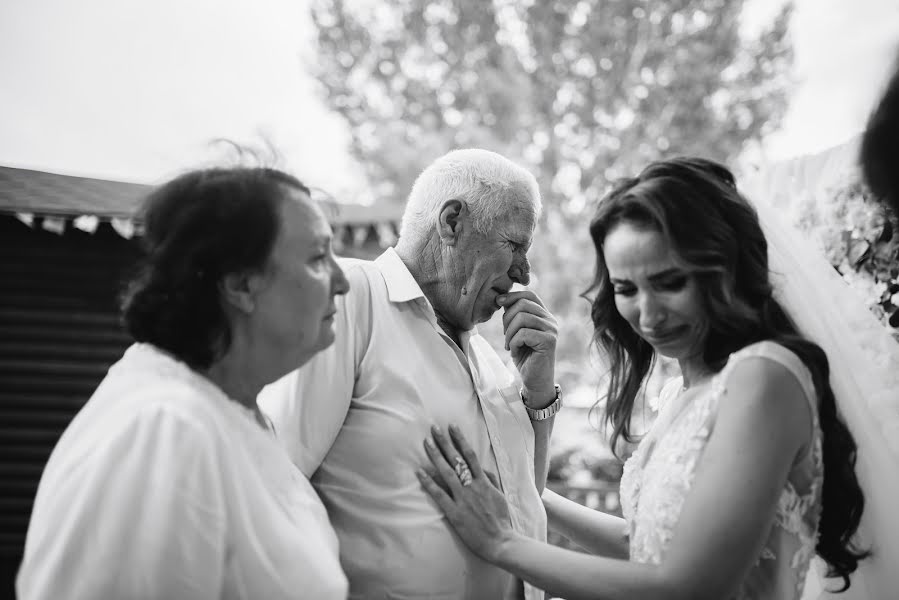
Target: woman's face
{"type": "Point", "coordinates": [660, 300]}
{"type": "Point", "coordinates": [295, 307]}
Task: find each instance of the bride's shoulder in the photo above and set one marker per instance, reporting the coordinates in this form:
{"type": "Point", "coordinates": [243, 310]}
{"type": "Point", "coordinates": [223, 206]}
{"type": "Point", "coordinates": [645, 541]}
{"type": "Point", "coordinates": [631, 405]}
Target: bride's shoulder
{"type": "Point", "coordinates": [772, 351]}
{"type": "Point", "coordinates": [767, 362]}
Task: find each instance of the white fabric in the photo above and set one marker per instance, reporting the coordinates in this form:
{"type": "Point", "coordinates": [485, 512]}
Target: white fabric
{"type": "Point", "coordinates": [659, 475]}
{"type": "Point", "coordinates": [162, 487]}
{"type": "Point", "coordinates": [356, 417]}
{"type": "Point", "coordinates": [864, 362]}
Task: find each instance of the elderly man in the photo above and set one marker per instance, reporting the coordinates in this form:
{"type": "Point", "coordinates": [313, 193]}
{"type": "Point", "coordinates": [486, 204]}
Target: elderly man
{"type": "Point", "coordinates": [408, 357]}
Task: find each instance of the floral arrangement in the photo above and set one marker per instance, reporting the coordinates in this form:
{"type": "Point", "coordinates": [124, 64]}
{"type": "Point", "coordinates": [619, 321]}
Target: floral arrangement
{"type": "Point", "coordinates": [860, 238]}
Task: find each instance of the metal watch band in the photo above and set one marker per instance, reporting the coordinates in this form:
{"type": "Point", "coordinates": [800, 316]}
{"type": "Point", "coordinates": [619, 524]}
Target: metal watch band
{"type": "Point", "coordinates": [541, 414]}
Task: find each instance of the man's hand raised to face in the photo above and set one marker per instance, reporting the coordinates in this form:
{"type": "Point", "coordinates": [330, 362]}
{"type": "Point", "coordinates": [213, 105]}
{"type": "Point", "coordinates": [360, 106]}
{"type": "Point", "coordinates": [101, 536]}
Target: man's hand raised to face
{"type": "Point", "coordinates": [531, 332]}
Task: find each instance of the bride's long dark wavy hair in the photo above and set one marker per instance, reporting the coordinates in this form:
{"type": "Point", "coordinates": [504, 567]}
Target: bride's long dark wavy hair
{"type": "Point", "coordinates": [715, 235]}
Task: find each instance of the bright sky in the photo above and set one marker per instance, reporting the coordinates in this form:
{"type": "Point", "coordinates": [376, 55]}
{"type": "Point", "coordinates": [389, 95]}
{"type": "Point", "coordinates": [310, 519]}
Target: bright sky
{"type": "Point", "coordinates": [844, 51]}
{"type": "Point", "coordinates": [136, 90]}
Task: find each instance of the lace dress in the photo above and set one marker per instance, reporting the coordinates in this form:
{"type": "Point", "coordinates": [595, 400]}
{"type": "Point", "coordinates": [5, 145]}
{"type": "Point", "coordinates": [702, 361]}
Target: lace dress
{"type": "Point", "coordinates": [659, 475]}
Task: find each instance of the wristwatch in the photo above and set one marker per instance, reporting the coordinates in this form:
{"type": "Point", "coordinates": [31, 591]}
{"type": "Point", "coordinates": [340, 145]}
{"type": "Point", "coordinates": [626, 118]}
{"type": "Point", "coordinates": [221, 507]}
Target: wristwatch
{"type": "Point", "coordinates": [541, 414]}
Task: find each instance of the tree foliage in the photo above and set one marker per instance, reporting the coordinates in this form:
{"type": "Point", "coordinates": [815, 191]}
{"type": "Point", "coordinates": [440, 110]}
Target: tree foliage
{"type": "Point", "coordinates": [581, 92]}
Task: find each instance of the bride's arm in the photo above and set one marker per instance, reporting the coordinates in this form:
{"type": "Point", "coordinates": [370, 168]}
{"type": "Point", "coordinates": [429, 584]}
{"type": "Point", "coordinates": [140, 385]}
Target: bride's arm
{"type": "Point", "coordinates": [575, 576]}
{"type": "Point", "coordinates": [762, 423]}
{"type": "Point", "coordinates": [592, 530]}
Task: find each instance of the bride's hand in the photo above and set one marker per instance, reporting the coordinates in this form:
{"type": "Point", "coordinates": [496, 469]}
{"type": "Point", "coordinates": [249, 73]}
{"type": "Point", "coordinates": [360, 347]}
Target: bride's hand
{"type": "Point", "coordinates": [469, 496]}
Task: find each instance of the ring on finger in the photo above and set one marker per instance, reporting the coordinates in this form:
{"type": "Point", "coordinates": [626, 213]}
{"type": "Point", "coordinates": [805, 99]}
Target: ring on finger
{"type": "Point", "coordinates": [462, 471]}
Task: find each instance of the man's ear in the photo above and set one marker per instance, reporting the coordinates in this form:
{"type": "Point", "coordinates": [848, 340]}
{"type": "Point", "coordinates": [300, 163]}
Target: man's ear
{"type": "Point", "coordinates": [450, 220]}
{"type": "Point", "coordinates": [240, 289]}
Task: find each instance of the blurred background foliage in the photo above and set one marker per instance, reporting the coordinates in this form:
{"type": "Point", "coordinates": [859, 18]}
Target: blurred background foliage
{"type": "Point", "coordinates": [581, 92]}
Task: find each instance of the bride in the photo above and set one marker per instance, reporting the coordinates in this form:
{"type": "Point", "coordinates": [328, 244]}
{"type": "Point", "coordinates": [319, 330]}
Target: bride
{"type": "Point", "coordinates": [748, 472]}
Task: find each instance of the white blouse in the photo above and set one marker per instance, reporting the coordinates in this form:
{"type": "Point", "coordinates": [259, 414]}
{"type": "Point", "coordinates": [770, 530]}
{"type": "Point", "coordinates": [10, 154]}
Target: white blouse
{"type": "Point", "coordinates": [162, 487]}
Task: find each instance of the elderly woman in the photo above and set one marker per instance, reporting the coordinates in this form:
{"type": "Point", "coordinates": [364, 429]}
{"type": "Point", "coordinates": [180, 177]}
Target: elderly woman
{"type": "Point", "coordinates": [170, 483]}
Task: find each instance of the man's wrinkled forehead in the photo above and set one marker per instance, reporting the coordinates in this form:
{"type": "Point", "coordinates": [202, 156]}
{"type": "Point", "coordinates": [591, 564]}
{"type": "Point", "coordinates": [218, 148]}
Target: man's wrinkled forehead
{"type": "Point", "coordinates": [527, 194]}
{"type": "Point", "coordinates": [520, 217]}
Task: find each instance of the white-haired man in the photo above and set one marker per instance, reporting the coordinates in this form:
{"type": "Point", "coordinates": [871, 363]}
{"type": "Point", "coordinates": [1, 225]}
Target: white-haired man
{"type": "Point", "coordinates": [407, 357]}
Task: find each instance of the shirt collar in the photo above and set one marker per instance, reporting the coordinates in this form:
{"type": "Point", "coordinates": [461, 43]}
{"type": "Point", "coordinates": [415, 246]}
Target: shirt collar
{"type": "Point", "coordinates": [401, 286]}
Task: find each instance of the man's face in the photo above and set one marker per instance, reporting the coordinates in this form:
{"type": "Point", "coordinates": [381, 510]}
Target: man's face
{"type": "Point", "coordinates": [482, 266]}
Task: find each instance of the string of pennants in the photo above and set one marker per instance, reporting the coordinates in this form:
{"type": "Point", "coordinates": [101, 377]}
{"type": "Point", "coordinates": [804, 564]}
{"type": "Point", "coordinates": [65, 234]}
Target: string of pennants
{"type": "Point", "coordinates": [86, 223]}
{"type": "Point", "coordinates": [355, 235]}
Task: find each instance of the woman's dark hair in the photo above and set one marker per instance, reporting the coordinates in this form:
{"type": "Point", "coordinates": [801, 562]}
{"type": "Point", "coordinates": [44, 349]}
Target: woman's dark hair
{"type": "Point", "coordinates": [715, 235]}
{"type": "Point", "coordinates": [198, 228]}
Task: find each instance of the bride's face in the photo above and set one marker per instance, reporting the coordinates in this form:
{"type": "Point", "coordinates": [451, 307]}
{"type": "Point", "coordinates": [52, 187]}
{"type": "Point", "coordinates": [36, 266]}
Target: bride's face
{"type": "Point", "coordinates": [660, 300]}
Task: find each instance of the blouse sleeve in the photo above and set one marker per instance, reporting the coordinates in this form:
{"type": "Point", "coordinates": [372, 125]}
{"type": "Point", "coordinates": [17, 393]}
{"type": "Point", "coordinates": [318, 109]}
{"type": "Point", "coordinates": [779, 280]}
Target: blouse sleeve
{"type": "Point", "coordinates": [138, 513]}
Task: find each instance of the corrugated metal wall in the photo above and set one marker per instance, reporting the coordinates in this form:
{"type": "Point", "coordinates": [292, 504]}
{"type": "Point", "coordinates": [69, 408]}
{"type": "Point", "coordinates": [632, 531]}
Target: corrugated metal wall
{"type": "Point", "coordinates": [59, 333]}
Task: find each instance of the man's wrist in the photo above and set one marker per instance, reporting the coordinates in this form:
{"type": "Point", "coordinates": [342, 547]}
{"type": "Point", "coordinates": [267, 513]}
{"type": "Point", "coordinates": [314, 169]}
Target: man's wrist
{"type": "Point", "coordinates": [548, 410]}
{"type": "Point", "coordinates": [538, 399]}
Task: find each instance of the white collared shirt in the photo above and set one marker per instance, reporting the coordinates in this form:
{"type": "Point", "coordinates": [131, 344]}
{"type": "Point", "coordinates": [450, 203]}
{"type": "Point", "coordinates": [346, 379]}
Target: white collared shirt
{"type": "Point", "coordinates": [356, 417]}
{"type": "Point", "coordinates": [162, 487]}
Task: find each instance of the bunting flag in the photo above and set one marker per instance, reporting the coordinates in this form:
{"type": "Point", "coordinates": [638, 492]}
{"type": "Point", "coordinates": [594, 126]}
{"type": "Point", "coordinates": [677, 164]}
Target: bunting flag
{"type": "Point", "coordinates": [386, 234]}
{"type": "Point", "coordinates": [55, 225]}
{"type": "Point", "coordinates": [27, 218]}
{"type": "Point", "coordinates": [124, 227]}
{"type": "Point", "coordinates": [338, 239]}
{"type": "Point", "coordinates": [86, 223]}
{"type": "Point", "coordinates": [360, 234]}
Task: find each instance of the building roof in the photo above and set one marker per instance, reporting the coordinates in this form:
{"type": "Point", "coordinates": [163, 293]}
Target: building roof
{"type": "Point", "coordinates": [42, 193]}
{"type": "Point", "coordinates": [45, 194]}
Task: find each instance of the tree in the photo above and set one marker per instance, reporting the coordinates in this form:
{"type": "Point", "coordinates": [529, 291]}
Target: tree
{"type": "Point", "coordinates": [582, 92]}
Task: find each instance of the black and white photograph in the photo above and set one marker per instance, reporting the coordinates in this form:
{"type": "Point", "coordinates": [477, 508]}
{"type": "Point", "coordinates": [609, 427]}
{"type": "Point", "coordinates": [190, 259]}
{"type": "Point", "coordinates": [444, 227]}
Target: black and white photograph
{"type": "Point", "coordinates": [449, 299]}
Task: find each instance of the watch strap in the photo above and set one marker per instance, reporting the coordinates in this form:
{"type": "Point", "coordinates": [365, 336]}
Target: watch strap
{"type": "Point", "coordinates": [541, 414]}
